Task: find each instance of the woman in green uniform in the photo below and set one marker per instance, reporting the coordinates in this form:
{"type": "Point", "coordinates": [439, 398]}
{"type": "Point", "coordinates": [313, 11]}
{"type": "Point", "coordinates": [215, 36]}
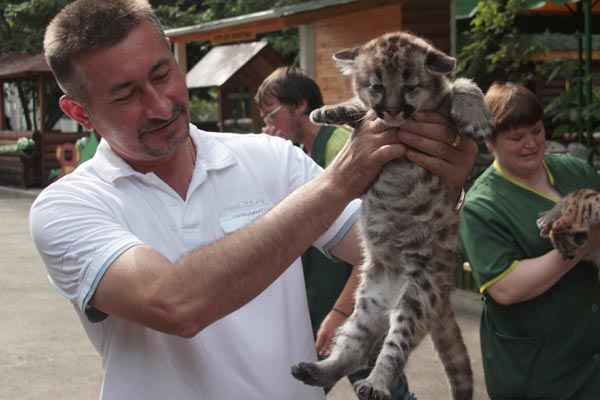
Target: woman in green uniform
{"type": "Point", "coordinates": [540, 327]}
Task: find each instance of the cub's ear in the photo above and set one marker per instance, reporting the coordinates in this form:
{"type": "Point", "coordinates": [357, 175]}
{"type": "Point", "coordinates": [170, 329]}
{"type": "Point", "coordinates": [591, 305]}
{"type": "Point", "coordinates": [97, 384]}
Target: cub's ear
{"type": "Point", "coordinates": [438, 62]}
{"type": "Point", "coordinates": [346, 60]}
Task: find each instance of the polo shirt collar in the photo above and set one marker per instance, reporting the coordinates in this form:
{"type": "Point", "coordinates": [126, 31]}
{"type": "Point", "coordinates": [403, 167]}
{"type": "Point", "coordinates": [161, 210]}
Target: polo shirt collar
{"type": "Point", "coordinates": [211, 154]}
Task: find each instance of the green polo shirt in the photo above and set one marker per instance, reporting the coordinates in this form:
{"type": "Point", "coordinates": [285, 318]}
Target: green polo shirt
{"type": "Point", "coordinates": [547, 347]}
{"type": "Point", "coordinates": [325, 279]}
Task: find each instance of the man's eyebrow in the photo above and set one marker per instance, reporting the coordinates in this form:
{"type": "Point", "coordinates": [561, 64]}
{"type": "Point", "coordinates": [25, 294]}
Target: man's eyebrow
{"type": "Point", "coordinates": [119, 86]}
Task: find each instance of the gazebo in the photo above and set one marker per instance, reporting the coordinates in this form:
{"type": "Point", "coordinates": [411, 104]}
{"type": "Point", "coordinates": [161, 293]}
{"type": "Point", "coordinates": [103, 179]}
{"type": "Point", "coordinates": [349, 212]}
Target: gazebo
{"type": "Point", "coordinates": [15, 168]}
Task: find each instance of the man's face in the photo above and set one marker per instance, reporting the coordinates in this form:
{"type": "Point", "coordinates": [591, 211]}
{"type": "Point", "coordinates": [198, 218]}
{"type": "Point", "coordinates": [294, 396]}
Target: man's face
{"type": "Point", "coordinates": [281, 120]}
{"type": "Point", "coordinates": [137, 98]}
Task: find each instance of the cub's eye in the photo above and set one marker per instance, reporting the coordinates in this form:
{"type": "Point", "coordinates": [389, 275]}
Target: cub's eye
{"type": "Point", "coordinates": [409, 88]}
{"type": "Point", "coordinates": [378, 88]}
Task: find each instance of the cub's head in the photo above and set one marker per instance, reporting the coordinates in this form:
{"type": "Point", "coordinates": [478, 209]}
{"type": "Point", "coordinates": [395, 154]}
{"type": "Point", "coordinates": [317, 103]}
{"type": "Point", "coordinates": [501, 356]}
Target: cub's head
{"type": "Point", "coordinates": [397, 74]}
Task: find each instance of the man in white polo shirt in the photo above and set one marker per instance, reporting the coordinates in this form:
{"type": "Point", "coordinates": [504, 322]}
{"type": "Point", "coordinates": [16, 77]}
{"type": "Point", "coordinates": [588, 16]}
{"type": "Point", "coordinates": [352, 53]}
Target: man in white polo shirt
{"type": "Point", "coordinates": [179, 248]}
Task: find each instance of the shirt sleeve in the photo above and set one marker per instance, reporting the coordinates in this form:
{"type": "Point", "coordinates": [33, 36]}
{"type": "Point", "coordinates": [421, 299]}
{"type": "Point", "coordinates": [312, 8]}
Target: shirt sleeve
{"type": "Point", "coordinates": [78, 238]}
{"type": "Point", "coordinates": [490, 247]}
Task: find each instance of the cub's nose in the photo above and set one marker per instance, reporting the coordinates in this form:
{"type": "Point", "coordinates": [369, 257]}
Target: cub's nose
{"type": "Point", "coordinates": [408, 112]}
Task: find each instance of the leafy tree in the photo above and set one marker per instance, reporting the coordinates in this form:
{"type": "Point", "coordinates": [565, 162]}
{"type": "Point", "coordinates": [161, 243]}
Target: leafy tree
{"type": "Point", "coordinates": [495, 49]}
{"type": "Point", "coordinates": [22, 25]}
{"type": "Point", "coordinates": [566, 111]}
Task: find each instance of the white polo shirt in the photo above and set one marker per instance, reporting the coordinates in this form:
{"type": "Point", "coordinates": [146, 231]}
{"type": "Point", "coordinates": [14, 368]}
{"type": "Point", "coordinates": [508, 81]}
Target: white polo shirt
{"type": "Point", "coordinates": [84, 221]}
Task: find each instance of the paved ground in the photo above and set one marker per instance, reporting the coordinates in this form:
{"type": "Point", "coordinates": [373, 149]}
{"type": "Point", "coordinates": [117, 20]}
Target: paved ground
{"type": "Point", "coordinates": [44, 353]}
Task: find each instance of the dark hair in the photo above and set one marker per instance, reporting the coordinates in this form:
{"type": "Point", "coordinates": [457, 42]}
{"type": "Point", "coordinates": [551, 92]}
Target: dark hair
{"type": "Point", "coordinates": [513, 106]}
{"type": "Point", "coordinates": [87, 25]}
{"type": "Point", "coordinates": [290, 85]}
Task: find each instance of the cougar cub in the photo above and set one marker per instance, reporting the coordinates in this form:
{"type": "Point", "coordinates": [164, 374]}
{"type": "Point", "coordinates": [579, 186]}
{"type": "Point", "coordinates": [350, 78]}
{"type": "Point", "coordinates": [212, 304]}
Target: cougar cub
{"type": "Point", "coordinates": [569, 222]}
{"type": "Point", "coordinates": [409, 227]}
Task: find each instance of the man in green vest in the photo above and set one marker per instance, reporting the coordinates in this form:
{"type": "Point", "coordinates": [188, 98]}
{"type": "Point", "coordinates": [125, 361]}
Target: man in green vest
{"type": "Point", "coordinates": [285, 99]}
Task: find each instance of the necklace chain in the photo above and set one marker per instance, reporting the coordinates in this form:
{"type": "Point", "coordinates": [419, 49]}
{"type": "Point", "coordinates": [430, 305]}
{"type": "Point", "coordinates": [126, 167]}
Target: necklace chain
{"type": "Point", "coordinates": [192, 148]}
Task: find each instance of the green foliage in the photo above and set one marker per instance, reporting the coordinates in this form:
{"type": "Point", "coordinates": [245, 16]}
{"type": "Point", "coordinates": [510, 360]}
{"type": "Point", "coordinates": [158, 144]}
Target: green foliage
{"type": "Point", "coordinates": [175, 15]}
{"type": "Point", "coordinates": [204, 105]}
{"type": "Point", "coordinates": [495, 49]}
{"type": "Point", "coordinates": [22, 24]}
{"type": "Point", "coordinates": [569, 111]}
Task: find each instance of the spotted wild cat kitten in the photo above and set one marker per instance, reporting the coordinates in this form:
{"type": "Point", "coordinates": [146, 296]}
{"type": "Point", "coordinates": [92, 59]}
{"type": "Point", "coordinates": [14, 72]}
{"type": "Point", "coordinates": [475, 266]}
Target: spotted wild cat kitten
{"type": "Point", "coordinates": [409, 227]}
{"type": "Point", "coordinates": [568, 224]}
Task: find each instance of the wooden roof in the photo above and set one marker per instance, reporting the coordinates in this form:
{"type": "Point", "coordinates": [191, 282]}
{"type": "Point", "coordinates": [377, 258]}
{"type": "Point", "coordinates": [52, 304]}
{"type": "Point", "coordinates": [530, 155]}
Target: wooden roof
{"type": "Point", "coordinates": [222, 63]}
{"type": "Point", "coordinates": [21, 66]}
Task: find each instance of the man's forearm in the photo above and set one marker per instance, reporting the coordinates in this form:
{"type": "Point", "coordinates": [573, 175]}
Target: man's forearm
{"type": "Point", "coordinates": [230, 272]}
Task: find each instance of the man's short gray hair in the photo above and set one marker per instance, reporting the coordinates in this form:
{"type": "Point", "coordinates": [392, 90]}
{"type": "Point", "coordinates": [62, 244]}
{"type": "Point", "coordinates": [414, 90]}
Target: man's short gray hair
{"type": "Point", "coordinates": [87, 25]}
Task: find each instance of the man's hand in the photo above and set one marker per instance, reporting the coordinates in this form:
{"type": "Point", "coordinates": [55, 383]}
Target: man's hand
{"type": "Point", "coordinates": [272, 130]}
{"type": "Point", "coordinates": [429, 138]}
{"type": "Point", "coordinates": [372, 145]}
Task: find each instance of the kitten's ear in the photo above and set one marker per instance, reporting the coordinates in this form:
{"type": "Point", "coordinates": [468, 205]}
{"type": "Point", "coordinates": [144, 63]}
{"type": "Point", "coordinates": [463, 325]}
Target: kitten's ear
{"type": "Point", "coordinates": [346, 60]}
{"type": "Point", "coordinates": [439, 62]}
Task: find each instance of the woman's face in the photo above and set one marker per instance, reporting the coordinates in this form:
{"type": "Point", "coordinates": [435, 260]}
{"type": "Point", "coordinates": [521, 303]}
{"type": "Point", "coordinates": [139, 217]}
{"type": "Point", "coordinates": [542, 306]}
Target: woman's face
{"type": "Point", "coordinates": [519, 151]}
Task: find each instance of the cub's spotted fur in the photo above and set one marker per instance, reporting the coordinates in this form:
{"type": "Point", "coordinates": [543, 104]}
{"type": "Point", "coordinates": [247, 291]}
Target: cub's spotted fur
{"type": "Point", "coordinates": [568, 223]}
{"type": "Point", "coordinates": [409, 228]}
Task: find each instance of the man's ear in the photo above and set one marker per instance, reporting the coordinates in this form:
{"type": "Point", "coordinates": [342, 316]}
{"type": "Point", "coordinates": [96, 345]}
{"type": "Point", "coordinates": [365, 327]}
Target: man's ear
{"type": "Point", "coordinates": [301, 107]}
{"type": "Point", "coordinates": [76, 111]}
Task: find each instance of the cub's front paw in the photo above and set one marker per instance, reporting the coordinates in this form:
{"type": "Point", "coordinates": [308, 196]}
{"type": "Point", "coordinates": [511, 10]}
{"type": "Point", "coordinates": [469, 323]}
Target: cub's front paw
{"type": "Point", "coordinates": [366, 390]}
{"type": "Point", "coordinates": [478, 126]}
{"type": "Point", "coordinates": [338, 115]}
{"type": "Point", "coordinates": [469, 111]}
{"type": "Point", "coordinates": [307, 373]}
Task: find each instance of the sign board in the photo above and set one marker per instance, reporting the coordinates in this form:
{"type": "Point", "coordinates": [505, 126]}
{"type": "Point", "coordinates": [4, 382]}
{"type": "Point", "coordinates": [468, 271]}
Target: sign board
{"type": "Point", "coordinates": [240, 35]}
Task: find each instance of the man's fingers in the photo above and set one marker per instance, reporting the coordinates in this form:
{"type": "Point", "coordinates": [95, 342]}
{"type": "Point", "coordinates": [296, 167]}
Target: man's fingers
{"type": "Point", "coordinates": [387, 153]}
{"type": "Point", "coordinates": [431, 125]}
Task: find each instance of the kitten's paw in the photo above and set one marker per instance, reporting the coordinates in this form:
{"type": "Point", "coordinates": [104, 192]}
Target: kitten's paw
{"type": "Point", "coordinates": [477, 126]}
{"type": "Point", "coordinates": [366, 390]}
{"type": "Point", "coordinates": [469, 111]}
{"type": "Point", "coordinates": [311, 374]}
{"type": "Point", "coordinates": [544, 223]}
{"type": "Point", "coordinates": [338, 115]}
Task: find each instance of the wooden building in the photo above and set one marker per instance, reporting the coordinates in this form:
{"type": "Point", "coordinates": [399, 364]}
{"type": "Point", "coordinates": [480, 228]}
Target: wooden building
{"type": "Point", "coordinates": [326, 26]}
{"type": "Point", "coordinates": [236, 70]}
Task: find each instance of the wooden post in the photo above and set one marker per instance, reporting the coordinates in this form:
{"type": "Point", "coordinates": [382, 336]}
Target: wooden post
{"type": "Point", "coordinates": [41, 104]}
{"type": "Point", "coordinates": [2, 111]}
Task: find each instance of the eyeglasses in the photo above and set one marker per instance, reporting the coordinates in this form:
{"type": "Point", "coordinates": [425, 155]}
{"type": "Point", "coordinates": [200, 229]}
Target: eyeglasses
{"type": "Point", "coordinates": [268, 118]}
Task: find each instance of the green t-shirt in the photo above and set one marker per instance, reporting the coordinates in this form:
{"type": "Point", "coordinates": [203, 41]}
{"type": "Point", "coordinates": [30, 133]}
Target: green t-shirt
{"type": "Point", "coordinates": [325, 279]}
{"type": "Point", "coordinates": [547, 347]}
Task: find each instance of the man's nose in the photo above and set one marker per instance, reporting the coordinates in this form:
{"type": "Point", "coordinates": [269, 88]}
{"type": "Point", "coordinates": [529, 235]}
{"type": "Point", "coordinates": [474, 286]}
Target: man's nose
{"type": "Point", "coordinates": [157, 105]}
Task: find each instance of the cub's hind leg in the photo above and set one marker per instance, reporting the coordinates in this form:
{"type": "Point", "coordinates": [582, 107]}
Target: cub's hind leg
{"type": "Point", "coordinates": [354, 340]}
{"type": "Point", "coordinates": [448, 342]}
{"type": "Point", "coordinates": [408, 322]}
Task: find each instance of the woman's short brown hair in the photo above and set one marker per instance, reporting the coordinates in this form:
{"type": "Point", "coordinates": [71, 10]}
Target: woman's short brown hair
{"type": "Point", "coordinates": [513, 106]}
